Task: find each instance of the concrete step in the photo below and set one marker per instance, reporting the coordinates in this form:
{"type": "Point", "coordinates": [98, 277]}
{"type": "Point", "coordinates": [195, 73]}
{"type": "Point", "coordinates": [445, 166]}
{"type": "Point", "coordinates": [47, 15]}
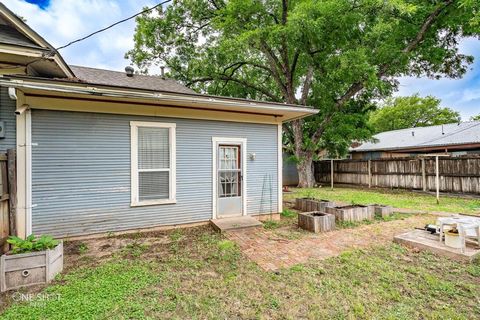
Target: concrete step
{"type": "Point", "coordinates": [235, 223]}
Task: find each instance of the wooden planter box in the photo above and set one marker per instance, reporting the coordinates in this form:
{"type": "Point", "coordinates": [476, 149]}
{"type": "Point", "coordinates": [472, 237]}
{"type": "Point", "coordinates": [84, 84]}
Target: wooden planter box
{"type": "Point", "coordinates": [316, 221]}
{"type": "Point", "coordinates": [301, 203]}
{"type": "Point", "coordinates": [351, 213]}
{"type": "Point", "coordinates": [309, 204]}
{"type": "Point", "coordinates": [382, 211]}
{"type": "Point", "coordinates": [26, 269]}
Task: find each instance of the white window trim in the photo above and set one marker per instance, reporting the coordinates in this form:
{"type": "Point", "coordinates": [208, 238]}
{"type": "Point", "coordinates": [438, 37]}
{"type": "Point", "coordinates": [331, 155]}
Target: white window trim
{"type": "Point", "coordinates": [134, 125]}
{"type": "Point", "coordinates": [242, 142]}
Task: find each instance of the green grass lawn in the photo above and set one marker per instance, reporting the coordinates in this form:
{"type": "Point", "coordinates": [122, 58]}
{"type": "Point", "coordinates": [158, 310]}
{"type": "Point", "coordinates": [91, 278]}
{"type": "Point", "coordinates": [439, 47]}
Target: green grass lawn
{"type": "Point", "coordinates": [200, 275]}
{"type": "Point", "coordinates": [396, 198]}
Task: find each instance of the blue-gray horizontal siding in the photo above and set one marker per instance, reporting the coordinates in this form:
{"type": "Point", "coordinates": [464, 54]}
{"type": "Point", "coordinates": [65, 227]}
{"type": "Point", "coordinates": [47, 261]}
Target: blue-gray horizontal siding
{"type": "Point", "coordinates": [81, 172]}
{"type": "Point", "coordinates": [7, 114]}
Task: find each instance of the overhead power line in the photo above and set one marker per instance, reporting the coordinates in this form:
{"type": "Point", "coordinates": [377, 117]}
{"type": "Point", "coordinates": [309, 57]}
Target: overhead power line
{"type": "Point", "coordinates": [55, 50]}
{"type": "Point", "coordinates": [113, 25]}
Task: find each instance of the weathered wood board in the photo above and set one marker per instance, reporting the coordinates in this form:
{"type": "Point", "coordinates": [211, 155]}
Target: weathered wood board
{"type": "Point", "coordinates": [309, 204]}
{"type": "Point", "coordinates": [27, 269]}
{"type": "Point", "coordinates": [316, 221]}
{"type": "Point", "coordinates": [352, 213]}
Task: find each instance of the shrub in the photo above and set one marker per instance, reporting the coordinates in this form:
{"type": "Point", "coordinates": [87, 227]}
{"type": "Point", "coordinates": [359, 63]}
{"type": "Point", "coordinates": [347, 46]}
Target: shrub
{"type": "Point", "coordinates": [287, 213]}
{"type": "Point", "coordinates": [31, 243]}
{"type": "Point", "coordinates": [270, 224]}
{"type": "Point", "coordinates": [226, 245]}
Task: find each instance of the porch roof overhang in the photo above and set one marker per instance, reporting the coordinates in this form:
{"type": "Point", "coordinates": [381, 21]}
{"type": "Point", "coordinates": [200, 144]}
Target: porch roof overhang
{"type": "Point", "coordinates": [40, 93]}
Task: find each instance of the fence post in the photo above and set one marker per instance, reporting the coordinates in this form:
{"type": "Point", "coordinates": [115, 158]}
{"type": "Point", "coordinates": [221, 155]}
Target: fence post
{"type": "Point", "coordinates": [424, 176]}
{"type": "Point", "coordinates": [4, 215]}
{"type": "Point", "coordinates": [12, 189]}
{"type": "Point", "coordinates": [369, 173]}
{"type": "Point", "coordinates": [437, 179]}
{"type": "Point", "coordinates": [331, 174]}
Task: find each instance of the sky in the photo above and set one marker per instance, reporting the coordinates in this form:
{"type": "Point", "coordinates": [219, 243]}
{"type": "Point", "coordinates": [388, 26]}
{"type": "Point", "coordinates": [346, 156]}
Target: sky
{"type": "Point", "coordinates": [61, 21]}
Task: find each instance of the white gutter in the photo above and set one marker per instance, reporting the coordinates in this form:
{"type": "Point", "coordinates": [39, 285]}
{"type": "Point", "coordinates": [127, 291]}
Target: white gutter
{"type": "Point", "coordinates": [12, 93]}
{"type": "Point", "coordinates": [155, 96]}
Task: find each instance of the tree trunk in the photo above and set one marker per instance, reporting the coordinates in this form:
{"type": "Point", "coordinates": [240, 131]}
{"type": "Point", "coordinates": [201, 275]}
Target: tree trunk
{"type": "Point", "coordinates": [305, 157]}
{"type": "Point", "coordinates": [306, 178]}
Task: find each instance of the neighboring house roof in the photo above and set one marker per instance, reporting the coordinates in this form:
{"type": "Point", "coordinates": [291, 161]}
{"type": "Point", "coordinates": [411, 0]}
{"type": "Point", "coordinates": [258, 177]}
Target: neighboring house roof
{"type": "Point", "coordinates": [117, 78]}
{"type": "Point", "coordinates": [53, 65]}
{"type": "Point", "coordinates": [10, 35]}
{"type": "Point", "coordinates": [423, 137]}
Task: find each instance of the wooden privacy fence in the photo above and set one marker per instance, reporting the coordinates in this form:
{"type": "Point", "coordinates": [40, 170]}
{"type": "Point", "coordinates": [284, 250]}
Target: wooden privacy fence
{"type": "Point", "coordinates": [8, 198]}
{"type": "Point", "coordinates": [456, 174]}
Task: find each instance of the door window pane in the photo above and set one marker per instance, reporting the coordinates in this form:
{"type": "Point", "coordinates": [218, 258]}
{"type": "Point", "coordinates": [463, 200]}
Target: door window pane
{"type": "Point", "coordinates": [229, 173]}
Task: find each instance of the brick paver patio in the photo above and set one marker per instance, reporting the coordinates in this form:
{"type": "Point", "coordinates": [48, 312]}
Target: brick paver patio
{"type": "Point", "coordinates": [272, 252]}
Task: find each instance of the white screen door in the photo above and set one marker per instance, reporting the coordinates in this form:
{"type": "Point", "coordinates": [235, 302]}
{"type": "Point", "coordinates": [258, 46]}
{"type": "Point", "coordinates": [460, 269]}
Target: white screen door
{"type": "Point", "coordinates": [229, 180]}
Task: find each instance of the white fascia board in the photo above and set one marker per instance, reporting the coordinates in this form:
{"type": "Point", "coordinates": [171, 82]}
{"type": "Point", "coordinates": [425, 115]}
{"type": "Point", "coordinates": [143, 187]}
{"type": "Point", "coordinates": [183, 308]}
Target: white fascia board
{"type": "Point", "coordinates": [156, 96]}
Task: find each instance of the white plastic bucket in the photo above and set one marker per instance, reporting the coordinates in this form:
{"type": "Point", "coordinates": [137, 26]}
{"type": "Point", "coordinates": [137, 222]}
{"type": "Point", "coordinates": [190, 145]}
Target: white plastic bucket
{"type": "Point", "coordinates": [452, 240]}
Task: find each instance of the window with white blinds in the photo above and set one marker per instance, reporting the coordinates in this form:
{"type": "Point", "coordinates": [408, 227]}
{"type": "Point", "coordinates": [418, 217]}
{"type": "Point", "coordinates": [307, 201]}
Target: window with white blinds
{"type": "Point", "coordinates": [153, 163]}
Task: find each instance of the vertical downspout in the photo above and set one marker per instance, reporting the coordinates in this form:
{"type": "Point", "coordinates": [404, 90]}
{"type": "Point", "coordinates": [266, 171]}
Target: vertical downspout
{"type": "Point", "coordinates": [23, 163]}
{"type": "Point", "coordinates": [280, 167]}
{"type": "Point", "coordinates": [28, 171]}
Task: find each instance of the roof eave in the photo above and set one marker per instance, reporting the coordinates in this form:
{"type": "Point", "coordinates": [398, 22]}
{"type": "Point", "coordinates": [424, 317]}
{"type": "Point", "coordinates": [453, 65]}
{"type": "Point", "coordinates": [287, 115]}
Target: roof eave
{"type": "Point", "coordinates": [25, 83]}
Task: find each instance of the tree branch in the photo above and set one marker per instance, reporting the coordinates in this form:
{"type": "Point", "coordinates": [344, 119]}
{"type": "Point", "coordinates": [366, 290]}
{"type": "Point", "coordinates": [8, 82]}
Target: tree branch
{"type": "Point", "coordinates": [275, 65]}
{"type": "Point", "coordinates": [420, 35]}
{"type": "Point", "coordinates": [243, 63]}
{"type": "Point", "coordinates": [285, 56]}
{"type": "Point", "coordinates": [306, 86]}
{"type": "Point", "coordinates": [274, 18]}
{"type": "Point", "coordinates": [294, 63]}
{"type": "Point", "coordinates": [227, 78]}
{"type": "Point", "coordinates": [284, 11]}
{"type": "Point", "coordinates": [358, 86]}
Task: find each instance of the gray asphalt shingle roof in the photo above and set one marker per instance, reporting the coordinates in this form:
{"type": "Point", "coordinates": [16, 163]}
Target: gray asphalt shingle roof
{"type": "Point", "coordinates": [10, 35]}
{"type": "Point", "coordinates": [453, 134]}
{"type": "Point", "coordinates": [117, 78]}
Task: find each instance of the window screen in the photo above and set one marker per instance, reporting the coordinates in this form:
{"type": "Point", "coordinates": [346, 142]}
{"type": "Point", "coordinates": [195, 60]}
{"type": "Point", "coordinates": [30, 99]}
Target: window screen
{"type": "Point", "coordinates": [153, 185]}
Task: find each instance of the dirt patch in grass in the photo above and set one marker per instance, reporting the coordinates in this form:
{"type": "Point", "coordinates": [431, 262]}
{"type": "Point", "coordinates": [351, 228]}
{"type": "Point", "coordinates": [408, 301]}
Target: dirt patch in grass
{"type": "Point", "coordinates": [148, 244]}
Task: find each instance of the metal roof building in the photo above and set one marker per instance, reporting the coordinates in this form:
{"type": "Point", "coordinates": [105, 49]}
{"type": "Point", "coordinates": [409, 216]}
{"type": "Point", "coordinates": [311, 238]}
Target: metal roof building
{"type": "Point", "coordinates": [456, 138]}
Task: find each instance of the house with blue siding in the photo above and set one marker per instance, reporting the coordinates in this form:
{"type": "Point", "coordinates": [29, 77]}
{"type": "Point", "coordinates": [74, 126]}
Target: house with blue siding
{"type": "Point", "coordinates": [104, 151]}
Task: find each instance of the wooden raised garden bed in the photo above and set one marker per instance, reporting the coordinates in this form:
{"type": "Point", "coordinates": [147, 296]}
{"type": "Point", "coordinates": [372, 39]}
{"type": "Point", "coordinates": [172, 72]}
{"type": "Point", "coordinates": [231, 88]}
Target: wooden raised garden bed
{"type": "Point", "coordinates": [382, 210]}
{"type": "Point", "coordinates": [26, 269]}
{"type": "Point", "coordinates": [316, 221]}
{"type": "Point", "coordinates": [351, 213]}
{"type": "Point", "coordinates": [310, 204]}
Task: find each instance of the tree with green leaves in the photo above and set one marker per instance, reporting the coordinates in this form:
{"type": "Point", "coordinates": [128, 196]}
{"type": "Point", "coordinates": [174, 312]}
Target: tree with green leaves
{"type": "Point", "coordinates": [475, 118]}
{"type": "Point", "coordinates": [334, 55]}
{"type": "Point", "coordinates": [409, 112]}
